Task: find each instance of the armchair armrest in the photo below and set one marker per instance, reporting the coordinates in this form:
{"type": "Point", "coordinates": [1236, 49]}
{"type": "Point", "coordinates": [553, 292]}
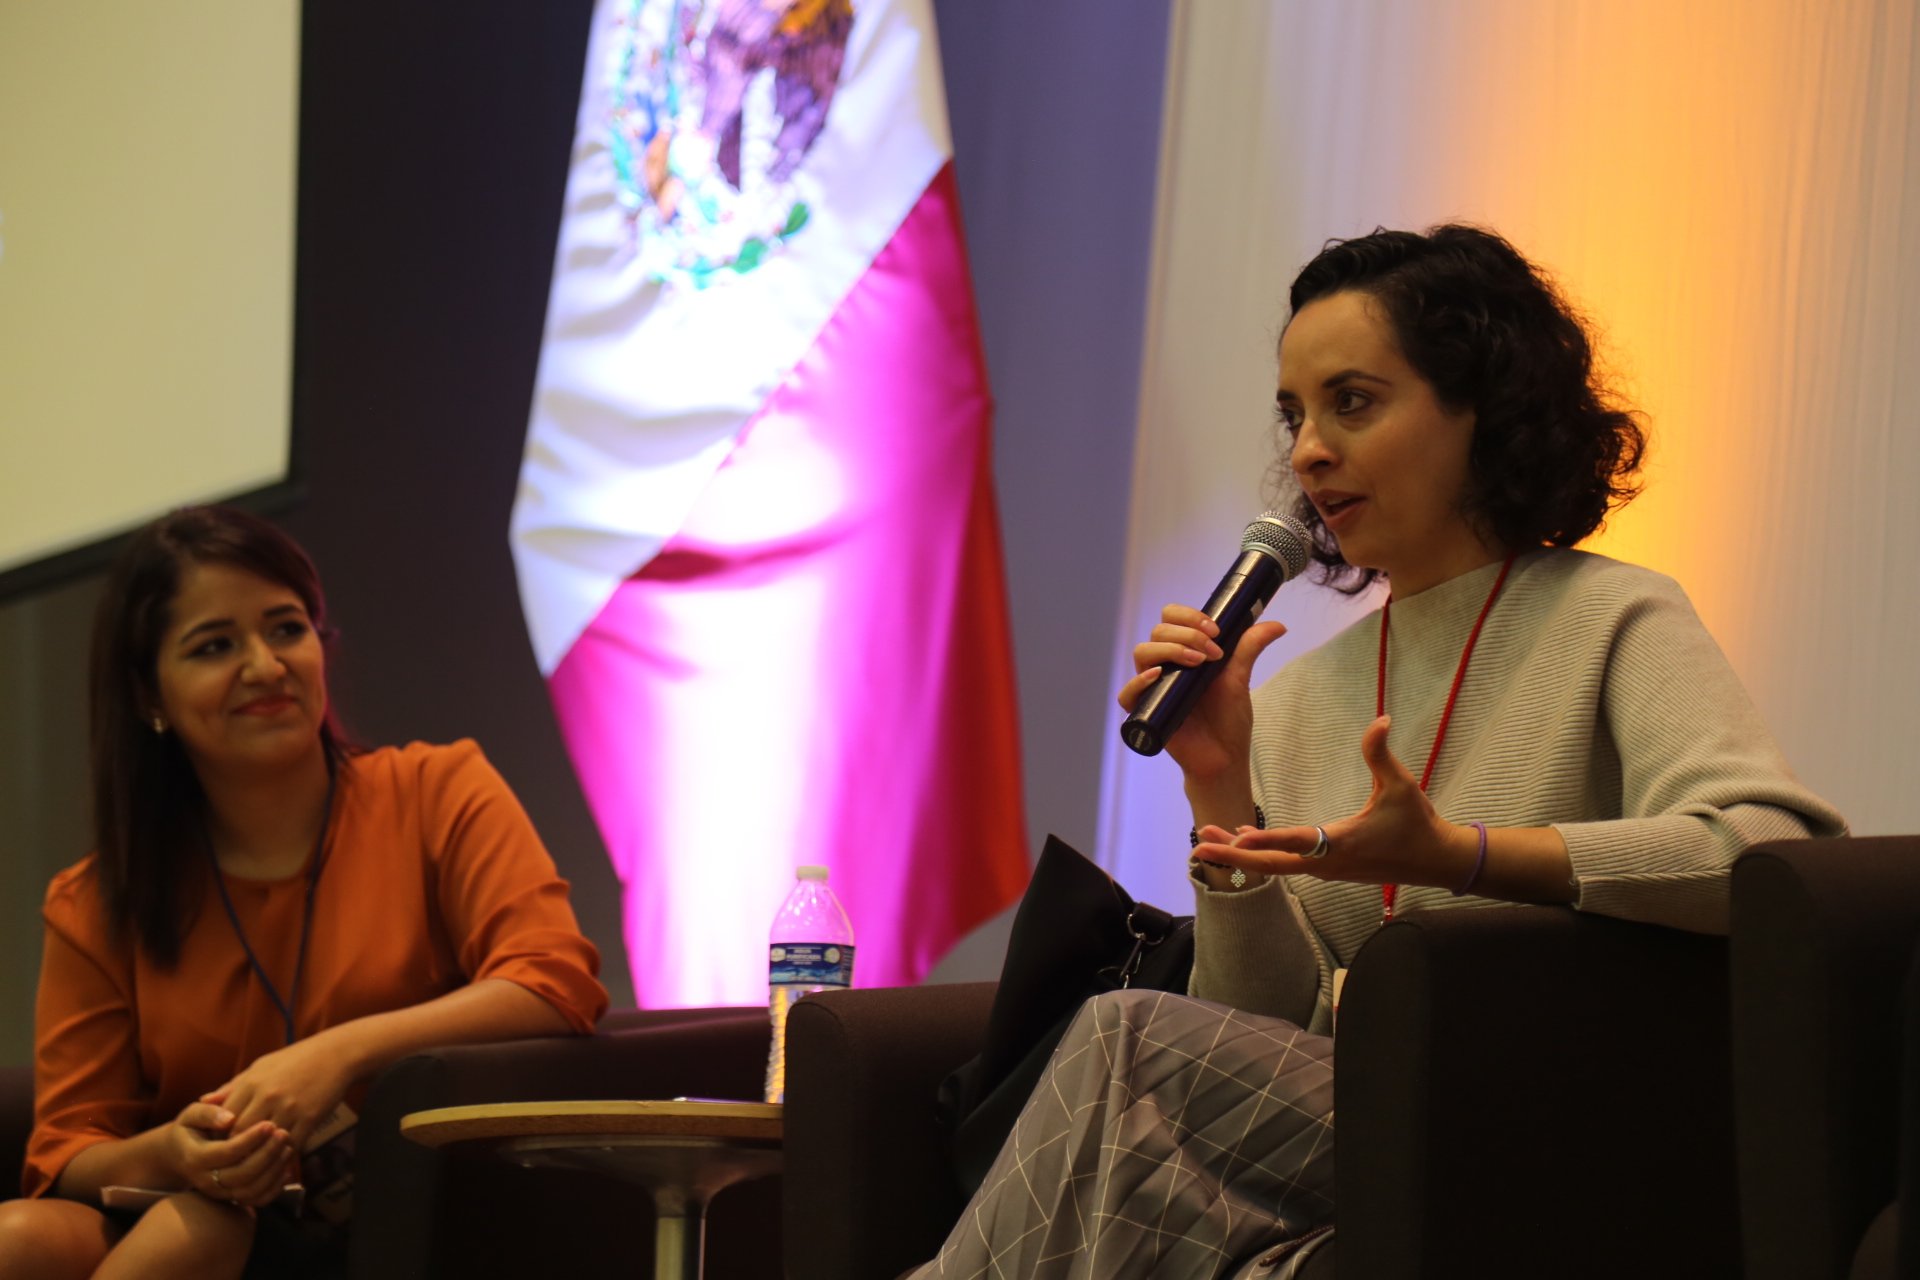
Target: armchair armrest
{"type": "Point", "coordinates": [16, 1125]}
{"type": "Point", "coordinates": [1534, 1083]}
{"type": "Point", "coordinates": [1823, 933]}
{"type": "Point", "coordinates": [641, 1019]}
{"type": "Point", "coordinates": [419, 1212]}
{"type": "Point", "coordinates": [868, 1191]}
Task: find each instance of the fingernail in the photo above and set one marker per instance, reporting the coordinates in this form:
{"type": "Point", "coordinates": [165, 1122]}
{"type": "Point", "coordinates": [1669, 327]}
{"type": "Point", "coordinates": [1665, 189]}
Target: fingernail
{"type": "Point", "coordinates": [225, 1117]}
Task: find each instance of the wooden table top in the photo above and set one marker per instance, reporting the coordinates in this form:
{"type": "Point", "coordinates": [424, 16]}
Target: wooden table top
{"type": "Point", "coordinates": [680, 1117]}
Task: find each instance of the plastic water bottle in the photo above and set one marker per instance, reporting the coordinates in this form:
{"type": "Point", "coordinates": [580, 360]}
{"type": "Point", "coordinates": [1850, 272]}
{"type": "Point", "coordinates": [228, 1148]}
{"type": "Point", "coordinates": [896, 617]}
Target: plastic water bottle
{"type": "Point", "coordinates": [810, 949]}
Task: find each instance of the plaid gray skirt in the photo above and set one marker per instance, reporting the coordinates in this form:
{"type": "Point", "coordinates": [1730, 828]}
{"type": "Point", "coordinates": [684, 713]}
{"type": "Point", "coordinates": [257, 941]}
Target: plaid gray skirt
{"type": "Point", "coordinates": [1169, 1138]}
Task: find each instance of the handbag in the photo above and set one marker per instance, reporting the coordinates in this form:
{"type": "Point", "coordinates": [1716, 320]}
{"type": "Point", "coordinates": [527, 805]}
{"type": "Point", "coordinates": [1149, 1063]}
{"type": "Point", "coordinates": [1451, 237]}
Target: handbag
{"type": "Point", "coordinates": [1077, 933]}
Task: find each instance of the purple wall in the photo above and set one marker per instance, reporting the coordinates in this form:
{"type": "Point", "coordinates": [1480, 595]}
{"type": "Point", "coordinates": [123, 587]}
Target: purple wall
{"type": "Point", "coordinates": [1056, 135]}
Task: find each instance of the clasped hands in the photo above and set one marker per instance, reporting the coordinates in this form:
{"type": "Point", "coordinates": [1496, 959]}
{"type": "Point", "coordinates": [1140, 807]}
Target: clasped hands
{"type": "Point", "coordinates": [241, 1142]}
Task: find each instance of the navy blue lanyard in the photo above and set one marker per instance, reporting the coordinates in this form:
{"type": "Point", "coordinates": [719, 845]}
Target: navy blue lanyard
{"type": "Point", "coordinates": [316, 864]}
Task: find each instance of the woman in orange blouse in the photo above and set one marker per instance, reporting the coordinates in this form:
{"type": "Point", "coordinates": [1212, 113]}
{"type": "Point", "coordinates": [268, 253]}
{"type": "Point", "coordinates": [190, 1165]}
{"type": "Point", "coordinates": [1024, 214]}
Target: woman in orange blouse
{"type": "Point", "coordinates": [267, 921]}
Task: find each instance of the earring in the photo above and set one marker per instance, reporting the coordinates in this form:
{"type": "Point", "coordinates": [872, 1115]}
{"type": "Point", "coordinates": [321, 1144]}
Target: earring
{"type": "Point", "coordinates": [159, 725]}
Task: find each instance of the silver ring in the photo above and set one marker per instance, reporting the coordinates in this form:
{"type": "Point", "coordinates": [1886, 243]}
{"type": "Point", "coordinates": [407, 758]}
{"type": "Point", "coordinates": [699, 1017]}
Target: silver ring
{"type": "Point", "coordinates": [216, 1180]}
{"type": "Point", "coordinates": [1320, 846]}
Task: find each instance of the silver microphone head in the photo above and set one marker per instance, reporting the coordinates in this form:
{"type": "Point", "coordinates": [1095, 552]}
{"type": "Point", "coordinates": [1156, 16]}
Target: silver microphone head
{"type": "Point", "coordinates": [1283, 538]}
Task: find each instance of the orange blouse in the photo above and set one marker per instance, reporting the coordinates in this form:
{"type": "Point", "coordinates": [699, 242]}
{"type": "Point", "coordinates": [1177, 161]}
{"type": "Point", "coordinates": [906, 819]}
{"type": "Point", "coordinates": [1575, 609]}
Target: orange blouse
{"type": "Point", "coordinates": [433, 878]}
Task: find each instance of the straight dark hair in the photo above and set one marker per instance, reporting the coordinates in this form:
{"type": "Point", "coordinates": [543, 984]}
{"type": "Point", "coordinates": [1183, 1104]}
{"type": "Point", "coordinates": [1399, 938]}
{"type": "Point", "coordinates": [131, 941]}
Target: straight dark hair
{"type": "Point", "coordinates": [148, 806]}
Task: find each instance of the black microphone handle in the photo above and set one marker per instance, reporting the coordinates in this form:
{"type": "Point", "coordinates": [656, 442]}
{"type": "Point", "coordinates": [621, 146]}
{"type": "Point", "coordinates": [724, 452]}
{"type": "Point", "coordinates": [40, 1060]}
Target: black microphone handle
{"type": "Point", "coordinates": [1235, 605]}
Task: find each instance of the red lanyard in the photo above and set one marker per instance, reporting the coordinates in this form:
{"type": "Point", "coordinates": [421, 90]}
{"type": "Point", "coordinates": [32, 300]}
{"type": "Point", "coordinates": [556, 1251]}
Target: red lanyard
{"type": "Point", "coordinates": [1387, 891]}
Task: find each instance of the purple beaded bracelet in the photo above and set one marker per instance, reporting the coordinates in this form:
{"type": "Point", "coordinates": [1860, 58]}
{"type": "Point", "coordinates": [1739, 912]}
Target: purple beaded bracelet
{"type": "Point", "coordinates": [1479, 863]}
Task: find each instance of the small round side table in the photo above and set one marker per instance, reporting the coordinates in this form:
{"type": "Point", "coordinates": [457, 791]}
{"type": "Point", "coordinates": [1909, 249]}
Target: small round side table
{"type": "Point", "coordinates": [682, 1152]}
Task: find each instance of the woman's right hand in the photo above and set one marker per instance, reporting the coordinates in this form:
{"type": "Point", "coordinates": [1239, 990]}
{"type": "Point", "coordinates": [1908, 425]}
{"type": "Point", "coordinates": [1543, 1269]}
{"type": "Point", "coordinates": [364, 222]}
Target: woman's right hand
{"type": "Point", "coordinates": [245, 1168]}
{"type": "Point", "coordinates": [1213, 745]}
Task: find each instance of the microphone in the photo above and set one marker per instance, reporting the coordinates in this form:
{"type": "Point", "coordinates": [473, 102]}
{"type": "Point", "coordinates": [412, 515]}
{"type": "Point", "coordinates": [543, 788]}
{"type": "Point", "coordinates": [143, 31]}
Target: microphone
{"type": "Point", "coordinates": [1273, 549]}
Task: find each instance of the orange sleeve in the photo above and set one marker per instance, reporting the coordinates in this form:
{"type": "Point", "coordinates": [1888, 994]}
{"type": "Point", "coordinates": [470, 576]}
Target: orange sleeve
{"type": "Point", "coordinates": [87, 1084]}
{"type": "Point", "coordinates": [505, 908]}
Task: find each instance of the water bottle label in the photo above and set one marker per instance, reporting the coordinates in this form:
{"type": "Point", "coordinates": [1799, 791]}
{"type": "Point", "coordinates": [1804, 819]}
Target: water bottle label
{"type": "Point", "coordinates": [810, 964]}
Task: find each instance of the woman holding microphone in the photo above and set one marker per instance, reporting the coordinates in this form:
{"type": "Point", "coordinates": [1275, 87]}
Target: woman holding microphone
{"type": "Point", "coordinates": [1520, 722]}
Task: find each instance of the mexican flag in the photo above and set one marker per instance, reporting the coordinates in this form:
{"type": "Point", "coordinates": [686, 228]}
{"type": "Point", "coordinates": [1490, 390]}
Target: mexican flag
{"type": "Point", "coordinates": [755, 531]}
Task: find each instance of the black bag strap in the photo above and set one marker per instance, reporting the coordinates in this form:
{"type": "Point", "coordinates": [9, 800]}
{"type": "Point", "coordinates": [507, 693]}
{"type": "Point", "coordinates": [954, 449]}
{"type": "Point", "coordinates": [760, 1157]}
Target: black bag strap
{"type": "Point", "coordinates": [1148, 926]}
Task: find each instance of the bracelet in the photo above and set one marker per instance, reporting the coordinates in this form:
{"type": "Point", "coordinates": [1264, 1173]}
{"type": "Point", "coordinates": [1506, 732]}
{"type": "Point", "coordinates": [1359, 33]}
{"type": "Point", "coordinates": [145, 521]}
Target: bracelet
{"type": "Point", "coordinates": [1479, 862]}
{"type": "Point", "coordinates": [1193, 835]}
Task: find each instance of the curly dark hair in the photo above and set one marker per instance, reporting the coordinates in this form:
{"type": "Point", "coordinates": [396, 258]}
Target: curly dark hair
{"type": "Point", "coordinates": [147, 799]}
{"type": "Point", "coordinates": [1553, 451]}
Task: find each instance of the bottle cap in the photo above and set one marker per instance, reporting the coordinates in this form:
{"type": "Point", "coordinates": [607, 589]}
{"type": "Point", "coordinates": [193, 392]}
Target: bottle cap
{"type": "Point", "coordinates": [810, 872]}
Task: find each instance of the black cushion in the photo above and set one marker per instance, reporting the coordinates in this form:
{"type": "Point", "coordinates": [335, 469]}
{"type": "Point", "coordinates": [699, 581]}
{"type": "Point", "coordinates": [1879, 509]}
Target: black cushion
{"type": "Point", "coordinates": [1534, 1091]}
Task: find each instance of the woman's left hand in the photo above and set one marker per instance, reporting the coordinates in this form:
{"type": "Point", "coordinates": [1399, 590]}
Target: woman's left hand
{"type": "Point", "coordinates": [296, 1088]}
{"type": "Point", "coordinates": [1397, 838]}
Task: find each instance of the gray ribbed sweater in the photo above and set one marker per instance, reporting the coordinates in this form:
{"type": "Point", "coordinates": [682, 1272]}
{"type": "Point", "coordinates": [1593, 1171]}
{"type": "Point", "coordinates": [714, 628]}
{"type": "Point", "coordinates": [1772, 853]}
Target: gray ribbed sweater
{"type": "Point", "coordinates": [1595, 703]}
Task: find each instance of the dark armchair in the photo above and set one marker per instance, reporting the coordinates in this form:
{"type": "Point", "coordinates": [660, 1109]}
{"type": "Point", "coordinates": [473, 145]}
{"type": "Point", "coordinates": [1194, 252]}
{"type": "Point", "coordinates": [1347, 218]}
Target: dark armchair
{"type": "Point", "coordinates": [1521, 1092]}
{"type": "Point", "coordinates": [1826, 1021]}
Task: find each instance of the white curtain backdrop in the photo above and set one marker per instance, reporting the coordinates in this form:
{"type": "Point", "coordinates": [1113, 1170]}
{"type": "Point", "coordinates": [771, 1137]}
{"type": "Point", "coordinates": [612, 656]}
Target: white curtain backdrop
{"type": "Point", "coordinates": [1729, 189]}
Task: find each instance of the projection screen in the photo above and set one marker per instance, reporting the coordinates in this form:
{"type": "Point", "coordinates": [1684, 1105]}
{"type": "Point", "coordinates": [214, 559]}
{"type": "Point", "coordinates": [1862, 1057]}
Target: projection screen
{"type": "Point", "coordinates": [147, 172]}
